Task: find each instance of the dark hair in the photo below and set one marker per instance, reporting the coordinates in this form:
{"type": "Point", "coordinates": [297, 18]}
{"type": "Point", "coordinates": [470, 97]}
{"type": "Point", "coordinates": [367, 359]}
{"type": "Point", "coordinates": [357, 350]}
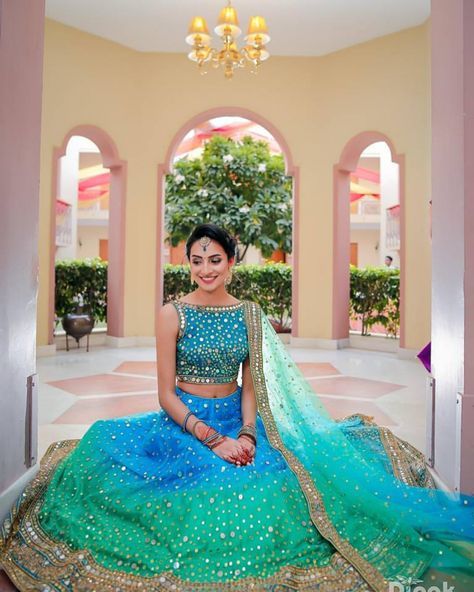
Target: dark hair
{"type": "Point", "coordinates": [216, 233]}
{"type": "Point", "coordinates": [389, 257]}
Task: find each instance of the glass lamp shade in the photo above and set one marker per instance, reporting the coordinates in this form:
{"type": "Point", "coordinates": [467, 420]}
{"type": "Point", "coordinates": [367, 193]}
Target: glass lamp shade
{"type": "Point", "coordinates": [200, 55]}
{"type": "Point", "coordinates": [198, 31]}
{"type": "Point", "coordinates": [257, 33]}
{"type": "Point", "coordinates": [256, 54]}
{"type": "Point", "coordinates": [228, 23]}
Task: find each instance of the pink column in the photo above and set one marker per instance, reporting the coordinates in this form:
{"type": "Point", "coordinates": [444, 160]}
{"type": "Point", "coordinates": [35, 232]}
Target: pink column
{"type": "Point", "coordinates": [21, 66]}
{"type": "Point", "coordinates": [452, 240]}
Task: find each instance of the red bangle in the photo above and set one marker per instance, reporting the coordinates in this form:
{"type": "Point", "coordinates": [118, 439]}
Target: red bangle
{"type": "Point", "coordinates": [218, 443]}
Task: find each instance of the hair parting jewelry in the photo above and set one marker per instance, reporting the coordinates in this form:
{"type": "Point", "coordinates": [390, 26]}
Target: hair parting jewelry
{"type": "Point", "coordinates": [204, 242]}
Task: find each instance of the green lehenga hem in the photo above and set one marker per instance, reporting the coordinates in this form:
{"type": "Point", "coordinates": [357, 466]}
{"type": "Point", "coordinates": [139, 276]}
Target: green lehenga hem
{"type": "Point", "coordinates": [35, 561]}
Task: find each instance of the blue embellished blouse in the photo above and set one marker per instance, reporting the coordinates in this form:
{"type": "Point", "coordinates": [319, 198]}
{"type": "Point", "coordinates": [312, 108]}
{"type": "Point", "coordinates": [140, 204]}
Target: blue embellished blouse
{"type": "Point", "coordinates": [212, 342]}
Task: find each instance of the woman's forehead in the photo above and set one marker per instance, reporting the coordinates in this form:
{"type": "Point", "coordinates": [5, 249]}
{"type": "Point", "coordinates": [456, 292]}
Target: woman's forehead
{"type": "Point", "coordinates": [213, 248]}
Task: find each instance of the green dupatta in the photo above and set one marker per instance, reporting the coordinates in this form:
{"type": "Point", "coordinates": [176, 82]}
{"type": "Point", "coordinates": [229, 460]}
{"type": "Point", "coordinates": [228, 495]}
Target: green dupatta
{"type": "Point", "coordinates": [369, 493]}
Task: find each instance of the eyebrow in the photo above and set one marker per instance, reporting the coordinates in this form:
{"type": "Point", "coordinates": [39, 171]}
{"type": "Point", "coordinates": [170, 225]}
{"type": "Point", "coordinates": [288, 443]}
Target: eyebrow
{"type": "Point", "coordinates": [208, 257]}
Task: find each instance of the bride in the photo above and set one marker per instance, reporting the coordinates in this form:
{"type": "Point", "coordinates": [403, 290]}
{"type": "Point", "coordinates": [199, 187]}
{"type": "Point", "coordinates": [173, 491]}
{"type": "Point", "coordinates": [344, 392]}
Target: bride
{"type": "Point", "coordinates": [246, 487]}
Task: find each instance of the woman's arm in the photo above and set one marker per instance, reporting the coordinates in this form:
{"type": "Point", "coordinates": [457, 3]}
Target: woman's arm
{"type": "Point", "coordinates": [167, 323]}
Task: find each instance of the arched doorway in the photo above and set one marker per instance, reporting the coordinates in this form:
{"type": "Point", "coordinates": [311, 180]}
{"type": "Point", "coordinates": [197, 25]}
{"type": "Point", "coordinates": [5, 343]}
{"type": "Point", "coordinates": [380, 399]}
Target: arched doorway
{"type": "Point", "coordinates": [346, 167]}
{"type": "Point", "coordinates": [166, 168]}
{"type": "Point", "coordinates": [116, 237]}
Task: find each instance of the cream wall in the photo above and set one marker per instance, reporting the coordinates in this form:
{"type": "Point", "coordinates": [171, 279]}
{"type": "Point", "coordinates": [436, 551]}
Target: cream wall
{"type": "Point", "coordinates": [367, 241]}
{"type": "Point", "coordinates": [317, 104]}
{"type": "Point", "coordinates": [88, 240]}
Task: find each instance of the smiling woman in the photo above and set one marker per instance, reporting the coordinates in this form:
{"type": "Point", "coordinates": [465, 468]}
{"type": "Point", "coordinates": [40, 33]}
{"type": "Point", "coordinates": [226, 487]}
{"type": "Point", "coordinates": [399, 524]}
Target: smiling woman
{"type": "Point", "coordinates": [231, 486]}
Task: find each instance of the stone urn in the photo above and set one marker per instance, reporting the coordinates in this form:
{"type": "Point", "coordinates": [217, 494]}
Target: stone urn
{"type": "Point", "coordinates": [77, 325]}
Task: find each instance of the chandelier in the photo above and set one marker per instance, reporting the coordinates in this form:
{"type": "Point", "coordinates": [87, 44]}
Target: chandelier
{"type": "Point", "coordinates": [230, 56]}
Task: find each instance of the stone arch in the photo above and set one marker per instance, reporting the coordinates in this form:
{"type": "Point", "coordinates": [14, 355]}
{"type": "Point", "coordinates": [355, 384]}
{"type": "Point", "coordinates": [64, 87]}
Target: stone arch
{"type": "Point", "coordinates": [116, 268]}
{"type": "Point", "coordinates": [291, 170]}
{"type": "Point", "coordinates": [341, 230]}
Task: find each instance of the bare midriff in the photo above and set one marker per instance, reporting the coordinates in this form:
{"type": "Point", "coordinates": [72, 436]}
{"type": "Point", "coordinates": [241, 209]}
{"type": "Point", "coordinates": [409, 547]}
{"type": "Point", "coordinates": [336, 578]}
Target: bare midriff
{"type": "Point", "coordinates": [208, 391]}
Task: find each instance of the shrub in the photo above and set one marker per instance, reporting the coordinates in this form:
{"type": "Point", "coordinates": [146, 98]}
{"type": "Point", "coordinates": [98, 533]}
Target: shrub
{"type": "Point", "coordinates": [86, 279]}
{"type": "Point", "coordinates": [269, 285]}
{"type": "Point", "coordinates": [375, 298]}
{"type": "Point", "coordinates": [374, 292]}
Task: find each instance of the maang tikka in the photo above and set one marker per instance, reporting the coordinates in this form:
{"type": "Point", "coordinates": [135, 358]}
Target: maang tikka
{"type": "Point", "coordinates": [204, 242]}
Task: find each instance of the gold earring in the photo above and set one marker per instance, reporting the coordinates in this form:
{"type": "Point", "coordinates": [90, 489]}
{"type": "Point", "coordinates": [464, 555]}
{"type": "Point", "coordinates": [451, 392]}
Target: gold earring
{"type": "Point", "coordinates": [228, 278]}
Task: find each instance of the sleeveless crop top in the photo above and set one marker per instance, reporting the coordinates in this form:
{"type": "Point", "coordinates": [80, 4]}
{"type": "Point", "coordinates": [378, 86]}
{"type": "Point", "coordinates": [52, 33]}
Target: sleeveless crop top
{"type": "Point", "coordinates": [212, 342]}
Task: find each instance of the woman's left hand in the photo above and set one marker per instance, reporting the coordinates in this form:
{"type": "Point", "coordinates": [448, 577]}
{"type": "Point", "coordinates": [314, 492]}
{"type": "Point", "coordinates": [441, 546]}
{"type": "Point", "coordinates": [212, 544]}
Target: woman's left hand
{"type": "Point", "coordinates": [249, 447]}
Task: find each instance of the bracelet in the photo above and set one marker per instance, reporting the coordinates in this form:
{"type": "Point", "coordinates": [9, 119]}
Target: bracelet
{"type": "Point", "coordinates": [254, 440]}
{"type": "Point", "coordinates": [211, 438]}
{"type": "Point", "coordinates": [193, 429]}
{"type": "Point", "coordinates": [185, 420]}
{"type": "Point", "coordinates": [219, 441]}
{"type": "Point", "coordinates": [249, 430]}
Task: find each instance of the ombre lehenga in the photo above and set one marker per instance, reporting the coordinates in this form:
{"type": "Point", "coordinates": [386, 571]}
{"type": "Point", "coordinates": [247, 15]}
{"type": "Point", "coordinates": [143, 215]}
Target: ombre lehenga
{"type": "Point", "coordinates": [138, 504]}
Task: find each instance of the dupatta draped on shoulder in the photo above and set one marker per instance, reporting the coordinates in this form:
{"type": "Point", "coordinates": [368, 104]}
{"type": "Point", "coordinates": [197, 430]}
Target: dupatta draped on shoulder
{"type": "Point", "coordinates": [368, 492]}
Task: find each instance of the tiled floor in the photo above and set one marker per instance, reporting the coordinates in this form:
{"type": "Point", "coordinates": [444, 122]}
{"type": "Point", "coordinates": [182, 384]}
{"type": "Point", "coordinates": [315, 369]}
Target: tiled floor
{"type": "Point", "coordinates": [77, 388]}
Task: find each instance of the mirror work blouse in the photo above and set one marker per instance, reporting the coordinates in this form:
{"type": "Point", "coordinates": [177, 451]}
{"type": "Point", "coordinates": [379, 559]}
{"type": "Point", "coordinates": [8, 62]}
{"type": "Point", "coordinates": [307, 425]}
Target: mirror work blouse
{"type": "Point", "coordinates": [212, 342]}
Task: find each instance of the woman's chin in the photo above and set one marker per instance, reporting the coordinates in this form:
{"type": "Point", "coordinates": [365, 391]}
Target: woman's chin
{"type": "Point", "coordinates": [211, 287]}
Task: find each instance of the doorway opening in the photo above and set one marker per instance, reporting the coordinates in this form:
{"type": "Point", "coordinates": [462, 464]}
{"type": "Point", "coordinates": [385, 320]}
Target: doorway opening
{"type": "Point", "coordinates": [245, 182]}
{"type": "Point", "coordinates": [87, 225]}
{"type": "Point", "coordinates": [369, 236]}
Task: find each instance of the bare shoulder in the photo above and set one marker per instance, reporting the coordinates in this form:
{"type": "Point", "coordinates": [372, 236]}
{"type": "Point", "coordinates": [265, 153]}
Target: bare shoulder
{"type": "Point", "coordinates": [167, 314]}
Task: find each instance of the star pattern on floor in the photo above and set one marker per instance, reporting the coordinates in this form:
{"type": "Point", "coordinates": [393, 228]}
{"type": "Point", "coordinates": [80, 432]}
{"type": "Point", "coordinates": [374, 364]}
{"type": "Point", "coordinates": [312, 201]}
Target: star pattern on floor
{"type": "Point", "coordinates": [131, 388]}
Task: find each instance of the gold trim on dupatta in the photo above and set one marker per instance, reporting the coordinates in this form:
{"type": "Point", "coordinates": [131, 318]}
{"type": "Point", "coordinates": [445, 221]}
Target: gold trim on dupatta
{"type": "Point", "coordinates": [314, 499]}
{"type": "Point", "coordinates": [408, 463]}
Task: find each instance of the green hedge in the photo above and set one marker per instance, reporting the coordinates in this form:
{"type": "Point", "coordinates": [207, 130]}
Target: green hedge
{"type": "Point", "coordinates": [375, 298]}
{"type": "Point", "coordinates": [374, 292]}
{"type": "Point", "coordinates": [85, 277]}
{"type": "Point", "coordinates": [269, 285]}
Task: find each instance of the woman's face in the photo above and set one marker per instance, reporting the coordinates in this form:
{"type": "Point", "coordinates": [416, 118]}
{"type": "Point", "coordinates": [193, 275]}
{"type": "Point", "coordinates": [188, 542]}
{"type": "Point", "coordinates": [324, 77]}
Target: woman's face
{"type": "Point", "coordinates": [210, 267]}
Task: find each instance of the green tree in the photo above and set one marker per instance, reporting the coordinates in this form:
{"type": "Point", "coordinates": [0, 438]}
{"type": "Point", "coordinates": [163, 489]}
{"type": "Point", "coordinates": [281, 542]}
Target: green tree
{"type": "Point", "coordinates": [237, 185]}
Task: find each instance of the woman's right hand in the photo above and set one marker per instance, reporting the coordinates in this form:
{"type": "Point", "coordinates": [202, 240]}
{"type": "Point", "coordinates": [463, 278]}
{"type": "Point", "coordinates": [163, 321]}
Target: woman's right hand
{"type": "Point", "coordinates": [232, 451]}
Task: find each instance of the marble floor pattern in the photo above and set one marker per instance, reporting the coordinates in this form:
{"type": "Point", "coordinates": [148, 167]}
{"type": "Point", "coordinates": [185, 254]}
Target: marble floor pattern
{"type": "Point", "coordinates": [77, 388]}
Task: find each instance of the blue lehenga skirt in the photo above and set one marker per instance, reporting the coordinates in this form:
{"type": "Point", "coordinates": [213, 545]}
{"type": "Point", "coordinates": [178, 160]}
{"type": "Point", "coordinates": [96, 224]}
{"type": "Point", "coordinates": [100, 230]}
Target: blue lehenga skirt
{"type": "Point", "coordinates": [139, 496]}
{"type": "Point", "coordinates": [138, 504]}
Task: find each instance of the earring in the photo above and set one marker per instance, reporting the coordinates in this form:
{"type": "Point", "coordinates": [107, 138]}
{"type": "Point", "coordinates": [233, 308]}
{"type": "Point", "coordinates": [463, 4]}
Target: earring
{"type": "Point", "coordinates": [228, 278]}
